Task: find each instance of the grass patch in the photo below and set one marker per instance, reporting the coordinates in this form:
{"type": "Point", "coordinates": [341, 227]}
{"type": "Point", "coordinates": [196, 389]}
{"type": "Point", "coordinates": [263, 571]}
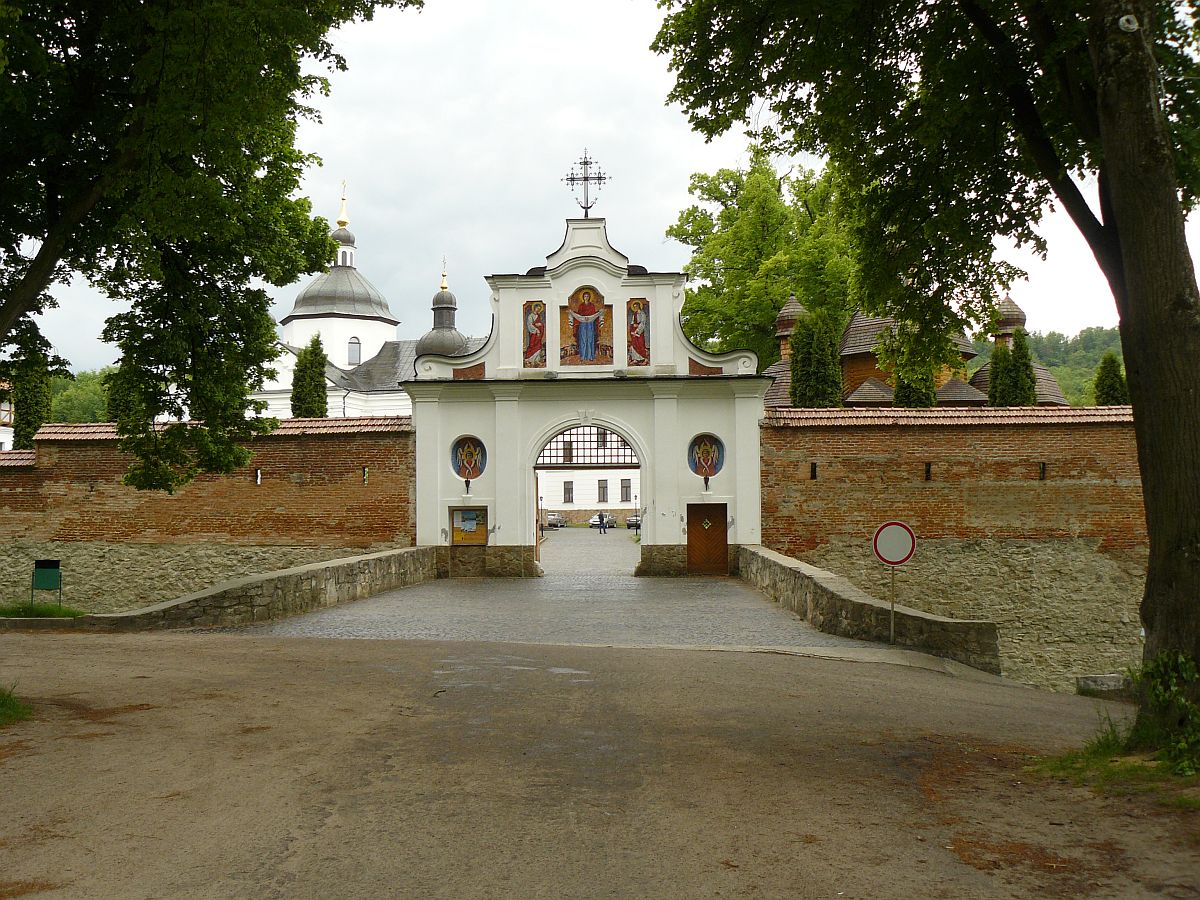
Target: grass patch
{"type": "Point", "coordinates": [12, 709]}
{"type": "Point", "coordinates": [26, 610]}
{"type": "Point", "coordinates": [1109, 764]}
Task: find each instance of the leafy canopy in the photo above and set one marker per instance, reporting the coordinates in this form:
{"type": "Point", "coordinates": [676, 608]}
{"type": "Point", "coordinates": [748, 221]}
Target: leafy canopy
{"type": "Point", "coordinates": [150, 147]}
{"type": "Point", "coordinates": [756, 237]}
{"type": "Point", "coordinates": [950, 124]}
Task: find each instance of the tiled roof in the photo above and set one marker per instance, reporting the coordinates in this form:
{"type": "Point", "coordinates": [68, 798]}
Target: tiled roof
{"type": "Point", "coordinates": [871, 392]}
{"type": "Point", "coordinates": [1048, 391]}
{"type": "Point", "coordinates": [863, 332]}
{"type": "Point", "coordinates": [106, 431]}
{"type": "Point", "coordinates": [17, 458]}
{"type": "Point", "coordinates": [780, 391]}
{"type": "Point", "coordinates": [957, 392]}
{"type": "Point", "coordinates": [949, 415]}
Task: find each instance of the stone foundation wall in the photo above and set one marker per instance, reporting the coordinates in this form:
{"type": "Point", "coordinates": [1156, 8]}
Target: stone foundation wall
{"type": "Point", "coordinates": [1063, 607]}
{"type": "Point", "coordinates": [832, 604]}
{"type": "Point", "coordinates": [101, 577]}
{"type": "Point", "coordinates": [662, 559]}
{"type": "Point", "coordinates": [489, 561]}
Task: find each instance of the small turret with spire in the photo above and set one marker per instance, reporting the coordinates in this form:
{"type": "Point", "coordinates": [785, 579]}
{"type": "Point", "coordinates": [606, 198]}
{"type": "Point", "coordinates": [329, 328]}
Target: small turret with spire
{"type": "Point", "coordinates": [444, 338]}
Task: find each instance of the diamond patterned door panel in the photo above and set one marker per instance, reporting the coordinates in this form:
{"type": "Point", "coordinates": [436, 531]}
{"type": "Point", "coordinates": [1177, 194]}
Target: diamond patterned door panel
{"type": "Point", "coordinates": [707, 539]}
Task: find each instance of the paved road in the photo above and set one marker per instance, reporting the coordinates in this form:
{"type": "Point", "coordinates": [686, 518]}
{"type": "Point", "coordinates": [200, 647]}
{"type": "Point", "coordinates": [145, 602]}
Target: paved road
{"type": "Point", "coordinates": [588, 597]}
{"type": "Point", "coordinates": [225, 765]}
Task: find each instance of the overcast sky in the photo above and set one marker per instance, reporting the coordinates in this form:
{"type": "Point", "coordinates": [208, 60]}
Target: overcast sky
{"type": "Point", "coordinates": [454, 127]}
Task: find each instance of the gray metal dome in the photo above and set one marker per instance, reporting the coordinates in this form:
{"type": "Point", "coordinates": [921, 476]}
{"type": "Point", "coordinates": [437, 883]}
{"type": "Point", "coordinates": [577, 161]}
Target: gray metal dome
{"type": "Point", "coordinates": [342, 291]}
{"type": "Point", "coordinates": [444, 338]}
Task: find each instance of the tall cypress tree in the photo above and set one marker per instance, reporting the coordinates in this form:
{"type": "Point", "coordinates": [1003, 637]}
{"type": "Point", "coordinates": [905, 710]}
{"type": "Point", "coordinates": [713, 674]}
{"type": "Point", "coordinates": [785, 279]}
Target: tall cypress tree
{"type": "Point", "coordinates": [1110, 386]}
{"type": "Point", "coordinates": [1024, 381]}
{"type": "Point", "coordinates": [816, 365]}
{"type": "Point", "coordinates": [309, 400]}
{"type": "Point", "coordinates": [1000, 376]}
{"type": "Point", "coordinates": [31, 399]}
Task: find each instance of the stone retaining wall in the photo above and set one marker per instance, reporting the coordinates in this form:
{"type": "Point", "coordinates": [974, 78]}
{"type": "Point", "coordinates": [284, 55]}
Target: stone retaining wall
{"type": "Point", "coordinates": [1064, 607]}
{"type": "Point", "coordinates": [108, 577]}
{"type": "Point", "coordinates": [833, 605]}
{"type": "Point", "coordinates": [275, 595]}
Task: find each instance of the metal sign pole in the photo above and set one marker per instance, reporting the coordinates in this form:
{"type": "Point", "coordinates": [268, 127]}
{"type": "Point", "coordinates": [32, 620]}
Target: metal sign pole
{"type": "Point", "coordinates": [892, 624]}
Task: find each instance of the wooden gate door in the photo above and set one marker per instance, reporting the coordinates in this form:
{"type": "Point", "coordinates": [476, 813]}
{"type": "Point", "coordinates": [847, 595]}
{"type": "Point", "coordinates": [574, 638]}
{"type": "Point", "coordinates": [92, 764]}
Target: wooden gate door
{"type": "Point", "coordinates": [707, 540]}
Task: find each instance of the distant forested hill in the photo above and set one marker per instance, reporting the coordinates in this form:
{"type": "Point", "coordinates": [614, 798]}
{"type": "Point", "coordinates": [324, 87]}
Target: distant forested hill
{"type": "Point", "coordinates": [1072, 360]}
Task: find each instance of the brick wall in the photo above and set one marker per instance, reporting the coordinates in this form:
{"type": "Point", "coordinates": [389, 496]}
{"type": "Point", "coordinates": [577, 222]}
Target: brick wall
{"type": "Point", "coordinates": [312, 491]}
{"type": "Point", "coordinates": [985, 475]}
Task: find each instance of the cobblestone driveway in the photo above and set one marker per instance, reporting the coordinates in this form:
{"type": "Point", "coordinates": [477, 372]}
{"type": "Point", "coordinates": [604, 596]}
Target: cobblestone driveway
{"type": "Point", "coordinates": [588, 596]}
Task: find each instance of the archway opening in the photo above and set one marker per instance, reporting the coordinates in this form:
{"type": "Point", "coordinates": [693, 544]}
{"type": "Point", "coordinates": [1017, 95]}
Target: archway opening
{"type": "Point", "coordinates": [586, 475]}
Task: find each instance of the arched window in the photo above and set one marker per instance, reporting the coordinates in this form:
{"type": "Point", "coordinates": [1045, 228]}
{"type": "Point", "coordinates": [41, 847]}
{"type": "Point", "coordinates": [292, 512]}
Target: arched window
{"type": "Point", "coordinates": [354, 352]}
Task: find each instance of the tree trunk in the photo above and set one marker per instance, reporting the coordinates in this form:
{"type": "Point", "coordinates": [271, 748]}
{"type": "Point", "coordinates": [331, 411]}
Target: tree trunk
{"type": "Point", "coordinates": [1160, 315]}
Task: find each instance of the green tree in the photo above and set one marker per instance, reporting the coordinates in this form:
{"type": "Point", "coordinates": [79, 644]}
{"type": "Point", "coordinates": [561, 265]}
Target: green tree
{"type": "Point", "coordinates": [1110, 387]}
{"type": "Point", "coordinates": [30, 399]}
{"type": "Point", "coordinates": [1000, 381]}
{"type": "Point", "coordinates": [756, 237]}
{"type": "Point", "coordinates": [954, 123]}
{"type": "Point", "coordinates": [309, 397]}
{"type": "Point", "coordinates": [1022, 380]}
{"type": "Point", "coordinates": [816, 364]}
{"type": "Point", "coordinates": [915, 388]}
{"type": "Point", "coordinates": [79, 398]}
{"type": "Point", "coordinates": [150, 148]}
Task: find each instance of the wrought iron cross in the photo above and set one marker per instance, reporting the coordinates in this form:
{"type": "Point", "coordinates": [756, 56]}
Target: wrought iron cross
{"type": "Point", "coordinates": [587, 178]}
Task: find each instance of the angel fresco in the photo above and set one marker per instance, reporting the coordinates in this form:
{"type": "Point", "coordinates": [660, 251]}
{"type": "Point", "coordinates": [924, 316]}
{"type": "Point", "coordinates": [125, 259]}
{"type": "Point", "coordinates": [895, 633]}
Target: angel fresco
{"type": "Point", "coordinates": [639, 333]}
{"type": "Point", "coordinates": [534, 347]}
{"type": "Point", "coordinates": [468, 458]}
{"type": "Point", "coordinates": [706, 456]}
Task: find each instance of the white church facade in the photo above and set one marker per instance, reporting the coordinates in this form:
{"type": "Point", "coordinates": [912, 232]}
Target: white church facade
{"type": "Point", "coordinates": [585, 395]}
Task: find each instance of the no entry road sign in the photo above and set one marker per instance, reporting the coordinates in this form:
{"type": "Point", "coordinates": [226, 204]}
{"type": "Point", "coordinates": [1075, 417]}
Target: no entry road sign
{"type": "Point", "coordinates": [894, 543]}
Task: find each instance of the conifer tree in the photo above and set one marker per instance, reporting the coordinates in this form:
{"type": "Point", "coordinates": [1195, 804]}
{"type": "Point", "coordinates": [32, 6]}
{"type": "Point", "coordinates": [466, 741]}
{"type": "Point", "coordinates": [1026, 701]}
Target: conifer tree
{"type": "Point", "coordinates": [31, 399]}
{"type": "Point", "coordinates": [309, 400]}
{"type": "Point", "coordinates": [816, 365]}
{"type": "Point", "coordinates": [1110, 386]}
{"type": "Point", "coordinates": [1000, 377]}
{"type": "Point", "coordinates": [1022, 377]}
{"type": "Point", "coordinates": [915, 389]}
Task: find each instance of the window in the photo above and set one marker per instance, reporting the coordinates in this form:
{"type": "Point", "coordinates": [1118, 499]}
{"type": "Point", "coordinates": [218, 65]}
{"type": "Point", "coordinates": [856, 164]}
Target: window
{"type": "Point", "coordinates": [626, 490]}
{"type": "Point", "coordinates": [601, 438]}
{"type": "Point", "coordinates": [602, 490]}
{"type": "Point", "coordinates": [568, 452]}
{"type": "Point", "coordinates": [354, 352]}
{"type": "Point", "coordinates": [568, 492]}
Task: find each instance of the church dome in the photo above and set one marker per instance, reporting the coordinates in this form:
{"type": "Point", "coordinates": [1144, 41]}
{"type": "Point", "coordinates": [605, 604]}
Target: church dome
{"type": "Point", "coordinates": [785, 322]}
{"type": "Point", "coordinates": [444, 338]}
{"type": "Point", "coordinates": [342, 291]}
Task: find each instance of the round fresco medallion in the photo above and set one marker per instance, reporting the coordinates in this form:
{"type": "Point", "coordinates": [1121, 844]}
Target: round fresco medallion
{"type": "Point", "coordinates": [706, 455]}
{"type": "Point", "coordinates": [468, 457]}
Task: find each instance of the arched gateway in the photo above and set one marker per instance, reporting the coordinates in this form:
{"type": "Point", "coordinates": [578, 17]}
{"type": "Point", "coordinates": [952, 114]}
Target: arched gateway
{"type": "Point", "coordinates": [588, 340]}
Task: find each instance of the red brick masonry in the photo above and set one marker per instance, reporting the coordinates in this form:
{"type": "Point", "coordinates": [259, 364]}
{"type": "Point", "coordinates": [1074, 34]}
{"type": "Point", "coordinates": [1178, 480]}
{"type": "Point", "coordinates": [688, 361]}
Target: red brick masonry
{"type": "Point", "coordinates": [313, 490]}
{"type": "Point", "coordinates": [985, 474]}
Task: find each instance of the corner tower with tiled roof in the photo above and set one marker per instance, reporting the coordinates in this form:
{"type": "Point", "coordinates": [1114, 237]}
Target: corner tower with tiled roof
{"type": "Point", "coordinates": [780, 371]}
{"type": "Point", "coordinates": [343, 307]}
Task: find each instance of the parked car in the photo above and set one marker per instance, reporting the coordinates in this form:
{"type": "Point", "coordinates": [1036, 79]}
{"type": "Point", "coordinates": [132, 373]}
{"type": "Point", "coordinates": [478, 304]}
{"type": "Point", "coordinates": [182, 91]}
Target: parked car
{"type": "Point", "coordinates": [555, 520]}
{"type": "Point", "coordinates": [634, 521]}
{"type": "Point", "coordinates": [610, 520]}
